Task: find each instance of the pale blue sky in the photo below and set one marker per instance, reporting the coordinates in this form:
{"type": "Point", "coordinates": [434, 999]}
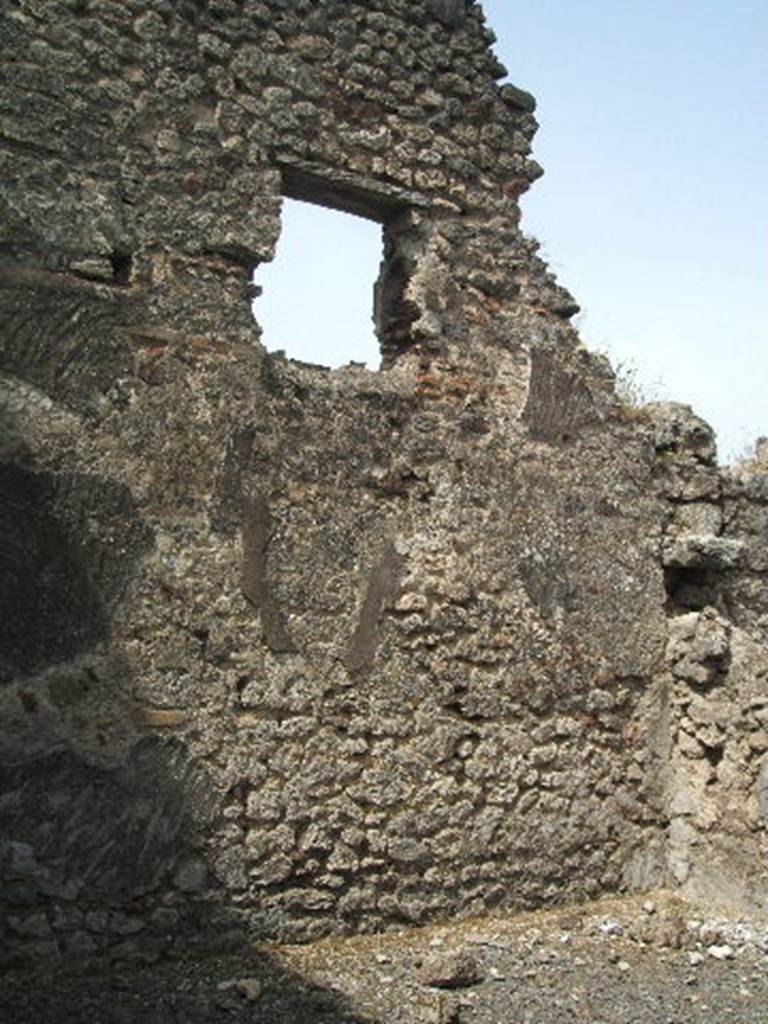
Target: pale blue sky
{"type": "Point", "coordinates": [653, 210]}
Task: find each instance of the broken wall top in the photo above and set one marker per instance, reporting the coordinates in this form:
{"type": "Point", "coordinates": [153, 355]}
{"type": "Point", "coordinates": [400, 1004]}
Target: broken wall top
{"type": "Point", "coordinates": [147, 141]}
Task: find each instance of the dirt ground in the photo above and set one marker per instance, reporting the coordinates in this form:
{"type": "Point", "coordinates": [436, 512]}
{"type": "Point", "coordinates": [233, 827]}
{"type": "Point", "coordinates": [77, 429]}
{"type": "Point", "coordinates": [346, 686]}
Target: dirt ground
{"type": "Point", "coordinates": [639, 960]}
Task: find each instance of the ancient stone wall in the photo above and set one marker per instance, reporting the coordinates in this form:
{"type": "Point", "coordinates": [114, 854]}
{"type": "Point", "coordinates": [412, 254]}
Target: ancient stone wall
{"type": "Point", "coordinates": [714, 553]}
{"type": "Point", "coordinates": [286, 651]}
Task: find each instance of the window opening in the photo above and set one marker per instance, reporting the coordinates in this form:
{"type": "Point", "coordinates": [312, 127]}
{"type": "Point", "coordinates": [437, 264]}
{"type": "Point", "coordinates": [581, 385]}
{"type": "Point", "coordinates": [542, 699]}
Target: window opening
{"type": "Point", "coordinates": [317, 300]}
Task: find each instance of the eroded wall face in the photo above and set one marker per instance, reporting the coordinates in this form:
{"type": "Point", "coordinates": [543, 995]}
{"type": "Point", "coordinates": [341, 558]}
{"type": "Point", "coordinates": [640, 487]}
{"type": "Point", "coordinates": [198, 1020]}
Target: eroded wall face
{"type": "Point", "coordinates": [714, 552]}
{"type": "Point", "coordinates": [286, 651]}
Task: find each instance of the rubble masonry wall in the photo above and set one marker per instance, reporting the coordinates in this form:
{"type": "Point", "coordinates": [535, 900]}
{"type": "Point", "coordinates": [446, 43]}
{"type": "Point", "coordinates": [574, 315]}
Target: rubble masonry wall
{"type": "Point", "coordinates": [287, 651]}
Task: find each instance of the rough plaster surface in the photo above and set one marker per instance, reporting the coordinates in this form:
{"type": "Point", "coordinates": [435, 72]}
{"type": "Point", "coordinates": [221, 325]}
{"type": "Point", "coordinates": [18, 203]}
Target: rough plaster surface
{"type": "Point", "coordinates": [286, 651]}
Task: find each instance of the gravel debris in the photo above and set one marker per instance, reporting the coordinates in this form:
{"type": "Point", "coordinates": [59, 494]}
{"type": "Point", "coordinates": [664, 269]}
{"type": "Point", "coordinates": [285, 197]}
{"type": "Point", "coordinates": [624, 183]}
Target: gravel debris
{"type": "Point", "coordinates": [514, 970]}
